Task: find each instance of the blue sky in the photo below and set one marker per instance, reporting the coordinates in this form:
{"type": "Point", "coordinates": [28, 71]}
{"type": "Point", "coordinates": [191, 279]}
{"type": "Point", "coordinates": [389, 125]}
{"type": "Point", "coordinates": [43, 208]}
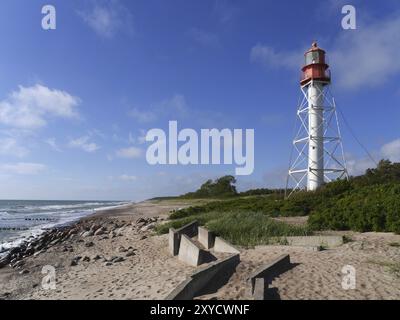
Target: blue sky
{"type": "Point", "coordinates": [76, 102]}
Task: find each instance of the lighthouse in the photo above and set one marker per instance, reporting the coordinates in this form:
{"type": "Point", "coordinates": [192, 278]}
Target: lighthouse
{"type": "Point", "coordinates": [318, 147]}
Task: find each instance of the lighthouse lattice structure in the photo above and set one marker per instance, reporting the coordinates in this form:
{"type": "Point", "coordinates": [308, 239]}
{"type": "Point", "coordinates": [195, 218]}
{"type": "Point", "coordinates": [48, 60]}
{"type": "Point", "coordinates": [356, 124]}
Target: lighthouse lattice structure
{"type": "Point", "coordinates": [318, 155]}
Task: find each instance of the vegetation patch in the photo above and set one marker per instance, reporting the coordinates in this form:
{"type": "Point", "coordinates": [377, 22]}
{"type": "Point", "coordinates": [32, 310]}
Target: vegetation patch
{"type": "Point", "coordinates": [242, 228]}
{"type": "Point", "coordinates": [392, 267]}
{"type": "Point", "coordinates": [370, 202]}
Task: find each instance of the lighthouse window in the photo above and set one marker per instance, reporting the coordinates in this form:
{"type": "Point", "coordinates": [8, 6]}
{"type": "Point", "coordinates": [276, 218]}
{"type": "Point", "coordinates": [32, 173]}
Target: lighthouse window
{"type": "Point", "coordinates": [312, 57]}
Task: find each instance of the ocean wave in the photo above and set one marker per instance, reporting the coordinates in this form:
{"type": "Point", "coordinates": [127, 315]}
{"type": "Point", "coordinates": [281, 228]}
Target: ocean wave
{"type": "Point", "coordinates": [60, 218]}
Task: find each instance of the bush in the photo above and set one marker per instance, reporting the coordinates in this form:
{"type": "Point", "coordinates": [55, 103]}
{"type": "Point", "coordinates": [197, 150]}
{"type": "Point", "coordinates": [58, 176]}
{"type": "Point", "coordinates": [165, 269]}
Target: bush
{"type": "Point", "coordinates": [370, 202]}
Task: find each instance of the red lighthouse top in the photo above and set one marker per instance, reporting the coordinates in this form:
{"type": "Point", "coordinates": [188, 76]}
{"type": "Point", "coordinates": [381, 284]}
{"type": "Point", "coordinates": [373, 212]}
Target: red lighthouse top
{"type": "Point", "coordinates": [315, 67]}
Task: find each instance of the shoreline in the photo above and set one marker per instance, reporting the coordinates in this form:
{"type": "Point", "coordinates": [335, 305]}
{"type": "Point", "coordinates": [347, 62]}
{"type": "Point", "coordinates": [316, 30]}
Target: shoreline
{"type": "Point", "coordinates": [26, 235]}
{"type": "Point", "coordinates": [114, 241]}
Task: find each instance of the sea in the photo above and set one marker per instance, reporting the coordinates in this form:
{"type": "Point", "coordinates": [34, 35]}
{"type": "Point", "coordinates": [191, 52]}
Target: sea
{"type": "Point", "coordinates": [24, 219]}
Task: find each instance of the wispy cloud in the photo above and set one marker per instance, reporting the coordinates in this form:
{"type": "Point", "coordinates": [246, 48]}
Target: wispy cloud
{"type": "Point", "coordinates": [22, 168]}
{"type": "Point", "coordinates": [129, 153]}
{"type": "Point", "coordinates": [128, 178]}
{"type": "Point", "coordinates": [225, 10]}
{"type": "Point", "coordinates": [30, 107]}
{"type": "Point", "coordinates": [391, 151]}
{"type": "Point", "coordinates": [368, 56]}
{"type": "Point", "coordinates": [107, 18]}
{"type": "Point", "coordinates": [206, 39]}
{"type": "Point", "coordinates": [53, 144]}
{"type": "Point", "coordinates": [142, 116]}
{"type": "Point", "coordinates": [175, 107]}
{"type": "Point", "coordinates": [11, 147]}
{"type": "Point", "coordinates": [84, 143]}
{"type": "Point", "coordinates": [267, 56]}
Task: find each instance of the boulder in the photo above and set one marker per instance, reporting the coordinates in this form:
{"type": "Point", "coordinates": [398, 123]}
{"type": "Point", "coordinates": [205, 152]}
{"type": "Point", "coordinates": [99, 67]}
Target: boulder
{"type": "Point", "coordinates": [100, 231]}
{"type": "Point", "coordinates": [87, 234]}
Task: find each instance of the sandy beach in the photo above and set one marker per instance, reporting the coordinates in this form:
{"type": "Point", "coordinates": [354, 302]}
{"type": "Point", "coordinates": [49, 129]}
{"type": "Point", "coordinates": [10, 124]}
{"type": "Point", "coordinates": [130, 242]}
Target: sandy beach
{"type": "Point", "coordinates": [115, 255]}
{"type": "Point", "coordinates": [121, 262]}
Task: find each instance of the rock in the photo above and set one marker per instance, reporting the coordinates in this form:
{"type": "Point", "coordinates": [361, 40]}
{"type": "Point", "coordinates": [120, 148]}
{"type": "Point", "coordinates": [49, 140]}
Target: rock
{"type": "Point", "coordinates": [86, 259]}
{"type": "Point", "coordinates": [72, 232]}
{"type": "Point", "coordinates": [4, 262]}
{"type": "Point", "coordinates": [96, 257]}
{"type": "Point", "coordinates": [24, 271]}
{"type": "Point", "coordinates": [15, 250]}
{"type": "Point", "coordinates": [143, 237]}
{"type": "Point", "coordinates": [74, 263]}
{"type": "Point", "coordinates": [122, 249]}
{"type": "Point", "coordinates": [119, 232]}
{"type": "Point", "coordinates": [107, 264]}
{"type": "Point", "coordinates": [37, 253]}
{"type": "Point", "coordinates": [87, 234]}
{"type": "Point", "coordinates": [89, 244]}
{"type": "Point", "coordinates": [150, 226]}
{"type": "Point", "coordinates": [112, 235]}
{"type": "Point", "coordinates": [29, 252]}
{"type": "Point", "coordinates": [140, 220]}
{"type": "Point", "coordinates": [54, 242]}
{"type": "Point", "coordinates": [99, 231]}
{"type": "Point", "coordinates": [118, 259]}
{"type": "Point", "coordinates": [130, 254]}
{"type": "Point", "coordinates": [18, 264]}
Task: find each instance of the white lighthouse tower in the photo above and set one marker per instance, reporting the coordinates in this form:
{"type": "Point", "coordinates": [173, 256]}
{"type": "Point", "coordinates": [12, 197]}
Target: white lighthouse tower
{"type": "Point", "coordinates": [317, 146]}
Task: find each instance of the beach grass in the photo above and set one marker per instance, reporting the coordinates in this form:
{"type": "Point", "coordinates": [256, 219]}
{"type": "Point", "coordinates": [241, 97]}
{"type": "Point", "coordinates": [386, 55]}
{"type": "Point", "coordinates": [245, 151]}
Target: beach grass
{"type": "Point", "coordinates": [242, 228]}
{"type": "Point", "coordinates": [392, 267]}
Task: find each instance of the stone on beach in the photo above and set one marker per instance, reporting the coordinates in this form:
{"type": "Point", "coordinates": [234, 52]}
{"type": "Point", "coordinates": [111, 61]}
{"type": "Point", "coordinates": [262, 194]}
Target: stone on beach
{"type": "Point", "coordinates": [87, 234]}
{"type": "Point", "coordinates": [100, 231]}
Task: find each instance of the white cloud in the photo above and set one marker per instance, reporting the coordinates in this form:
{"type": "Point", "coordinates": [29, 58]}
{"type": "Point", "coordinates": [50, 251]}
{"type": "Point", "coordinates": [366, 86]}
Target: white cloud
{"type": "Point", "coordinates": [128, 178]}
{"type": "Point", "coordinates": [29, 107]}
{"type": "Point", "coordinates": [142, 116]}
{"type": "Point", "coordinates": [368, 56]}
{"type": "Point", "coordinates": [106, 18]}
{"type": "Point", "coordinates": [10, 147]}
{"type": "Point", "coordinates": [391, 151]}
{"type": "Point", "coordinates": [358, 166]}
{"type": "Point", "coordinates": [225, 11]}
{"type": "Point", "coordinates": [176, 106]}
{"type": "Point", "coordinates": [53, 144]}
{"type": "Point", "coordinates": [22, 168]}
{"type": "Point", "coordinates": [204, 38]}
{"type": "Point", "coordinates": [84, 144]}
{"type": "Point", "coordinates": [269, 57]}
{"type": "Point", "coordinates": [129, 153]}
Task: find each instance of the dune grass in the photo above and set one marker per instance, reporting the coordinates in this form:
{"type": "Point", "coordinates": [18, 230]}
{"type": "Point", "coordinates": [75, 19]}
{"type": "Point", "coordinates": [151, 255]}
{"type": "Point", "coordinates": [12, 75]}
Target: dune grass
{"type": "Point", "coordinates": [239, 227]}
